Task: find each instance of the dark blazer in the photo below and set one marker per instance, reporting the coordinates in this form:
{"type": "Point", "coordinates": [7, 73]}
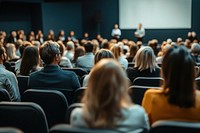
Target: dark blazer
{"type": "Point", "coordinates": [52, 76]}
{"type": "Point", "coordinates": [133, 73]}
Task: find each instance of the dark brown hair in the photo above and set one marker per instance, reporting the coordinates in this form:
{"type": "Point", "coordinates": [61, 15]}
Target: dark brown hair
{"type": "Point", "coordinates": [30, 60]}
{"type": "Point", "coordinates": [179, 77]}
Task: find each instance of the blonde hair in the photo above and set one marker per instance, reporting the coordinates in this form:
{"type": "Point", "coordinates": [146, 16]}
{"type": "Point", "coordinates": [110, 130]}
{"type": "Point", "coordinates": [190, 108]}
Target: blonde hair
{"type": "Point", "coordinates": [106, 96]}
{"type": "Point", "coordinates": [145, 59]}
{"type": "Point", "coordinates": [116, 50]}
{"type": "Point", "coordinates": [11, 51]}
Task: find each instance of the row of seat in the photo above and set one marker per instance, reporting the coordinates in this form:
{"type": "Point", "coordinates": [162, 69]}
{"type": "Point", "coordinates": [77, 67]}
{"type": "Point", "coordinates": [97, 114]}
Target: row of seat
{"type": "Point", "coordinates": [30, 118]}
{"type": "Point", "coordinates": [53, 102]}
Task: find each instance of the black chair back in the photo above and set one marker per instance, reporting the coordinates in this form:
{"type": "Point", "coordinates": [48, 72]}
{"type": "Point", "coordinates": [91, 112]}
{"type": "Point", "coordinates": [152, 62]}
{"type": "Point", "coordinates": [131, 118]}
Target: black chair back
{"type": "Point", "coordinates": [78, 94]}
{"type": "Point", "coordinates": [29, 117]}
{"type": "Point", "coordinates": [64, 128]}
{"type": "Point", "coordinates": [70, 109]}
{"type": "Point", "coordinates": [79, 72]}
{"type": "Point", "coordinates": [137, 93]}
{"type": "Point", "coordinates": [4, 95]}
{"type": "Point", "coordinates": [148, 81]}
{"type": "Point", "coordinates": [22, 83]}
{"type": "Point", "coordinates": [9, 130]}
{"type": "Point", "coordinates": [53, 103]}
{"type": "Point", "coordinates": [175, 127]}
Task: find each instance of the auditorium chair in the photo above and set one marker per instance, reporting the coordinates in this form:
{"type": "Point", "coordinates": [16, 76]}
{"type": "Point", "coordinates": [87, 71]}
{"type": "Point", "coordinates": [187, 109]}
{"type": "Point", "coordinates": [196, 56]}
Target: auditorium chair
{"type": "Point", "coordinates": [137, 93]}
{"type": "Point", "coordinates": [53, 103]}
{"type": "Point", "coordinates": [167, 126]}
{"type": "Point", "coordinates": [79, 72]}
{"type": "Point", "coordinates": [148, 81]}
{"type": "Point", "coordinates": [9, 130]}
{"type": "Point", "coordinates": [4, 95]}
{"type": "Point", "coordinates": [78, 94]}
{"type": "Point", "coordinates": [64, 128]}
{"type": "Point", "coordinates": [70, 109]}
{"type": "Point", "coordinates": [22, 83]}
{"type": "Point", "coordinates": [28, 117]}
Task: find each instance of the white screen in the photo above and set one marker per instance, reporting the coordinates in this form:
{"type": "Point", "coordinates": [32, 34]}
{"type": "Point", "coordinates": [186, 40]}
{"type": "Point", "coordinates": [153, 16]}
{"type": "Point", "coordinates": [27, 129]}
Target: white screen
{"type": "Point", "coordinates": [155, 14]}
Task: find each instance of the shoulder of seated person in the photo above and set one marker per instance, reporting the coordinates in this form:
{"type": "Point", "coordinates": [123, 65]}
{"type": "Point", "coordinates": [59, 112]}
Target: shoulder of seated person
{"type": "Point", "coordinates": [155, 90]}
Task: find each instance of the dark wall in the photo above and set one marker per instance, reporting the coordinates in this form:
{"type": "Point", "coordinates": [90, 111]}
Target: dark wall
{"type": "Point", "coordinates": [109, 12]}
{"type": "Point", "coordinates": [9, 20]}
{"type": "Point", "coordinates": [100, 16]}
{"type": "Point", "coordinates": [38, 14]}
{"type": "Point", "coordinates": [66, 16]}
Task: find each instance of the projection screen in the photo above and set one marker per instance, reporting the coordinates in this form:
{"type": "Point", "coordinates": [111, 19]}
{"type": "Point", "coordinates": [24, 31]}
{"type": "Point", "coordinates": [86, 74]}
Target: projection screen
{"type": "Point", "coordinates": [155, 14]}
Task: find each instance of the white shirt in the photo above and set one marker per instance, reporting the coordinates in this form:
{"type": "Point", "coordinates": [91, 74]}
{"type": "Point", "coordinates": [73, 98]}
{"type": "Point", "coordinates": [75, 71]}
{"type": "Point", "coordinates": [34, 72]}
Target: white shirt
{"type": "Point", "coordinates": [140, 32]}
{"type": "Point", "coordinates": [116, 32]}
{"type": "Point", "coordinates": [134, 117]}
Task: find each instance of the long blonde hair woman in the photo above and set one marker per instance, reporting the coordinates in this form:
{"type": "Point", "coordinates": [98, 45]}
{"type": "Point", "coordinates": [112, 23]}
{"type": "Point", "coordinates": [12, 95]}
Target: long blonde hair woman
{"type": "Point", "coordinates": [145, 64]}
{"type": "Point", "coordinates": [107, 103]}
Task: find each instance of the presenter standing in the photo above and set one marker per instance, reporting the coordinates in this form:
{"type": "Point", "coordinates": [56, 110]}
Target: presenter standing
{"type": "Point", "coordinates": [116, 32]}
{"type": "Point", "coordinates": [140, 32]}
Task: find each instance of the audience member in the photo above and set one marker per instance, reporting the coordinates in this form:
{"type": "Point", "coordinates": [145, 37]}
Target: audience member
{"type": "Point", "coordinates": [50, 36]}
{"type": "Point", "coordinates": [12, 37]}
{"type": "Point", "coordinates": [86, 36]}
{"type": "Point", "coordinates": [132, 52]}
{"type": "Point", "coordinates": [69, 52]}
{"type": "Point", "coordinates": [79, 51]}
{"type": "Point", "coordinates": [86, 61]}
{"type": "Point", "coordinates": [8, 80]}
{"type": "Point", "coordinates": [21, 50]}
{"type": "Point", "coordinates": [107, 103]}
{"type": "Point", "coordinates": [11, 52]}
{"type": "Point", "coordinates": [72, 37]}
{"type": "Point", "coordinates": [195, 52]}
{"type": "Point", "coordinates": [61, 36]}
{"type": "Point", "coordinates": [145, 64]}
{"type": "Point", "coordinates": [64, 61]}
{"type": "Point", "coordinates": [40, 37]}
{"type": "Point", "coordinates": [101, 54]}
{"type": "Point", "coordinates": [117, 52]}
{"type": "Point", "coordinates": [52, 76]}
{"type": "Point", "coordinates": [164, 50]}
{"type": "Point", "coordinates": [30, 61]}
{"type": "Point", "coordinates": [179, 99]}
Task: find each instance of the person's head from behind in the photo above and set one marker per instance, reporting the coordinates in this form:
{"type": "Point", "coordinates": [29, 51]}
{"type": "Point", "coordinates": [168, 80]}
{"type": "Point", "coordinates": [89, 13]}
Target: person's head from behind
{"type": "Point", "coordinates": [11, 51]}
{"type": "Point", "coordinates": [179, 75]}
{"type": "Point", "coordinates": [61, 47]}
{"type": "Point", "coordinates": [145, 59]}
{"type": "Point", "coordinates": [30, 60]}
{"type": "Point", "coordinates": [106, 96]}
{"type": "Point", "coordinates": [133, 49]}
{"type": "Point", "coordinates": [195, 49]}
{"type": "Point", "coordinates": [70, 46]}
{"type": "Point", "coordinates": [116, 50]}
{"type": "Point", "coordinates": [101, 54]}
{"type": "Point", "coordinates": [79, 51]}
{"type": "Point", "coordinates": [89, 47]}
{"type": "Point", "coordinates": [50, 53]}
{"type": "Point", "coordinates": [165, 48]}
{"type": "Point", "coordinates": [23, 46]}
